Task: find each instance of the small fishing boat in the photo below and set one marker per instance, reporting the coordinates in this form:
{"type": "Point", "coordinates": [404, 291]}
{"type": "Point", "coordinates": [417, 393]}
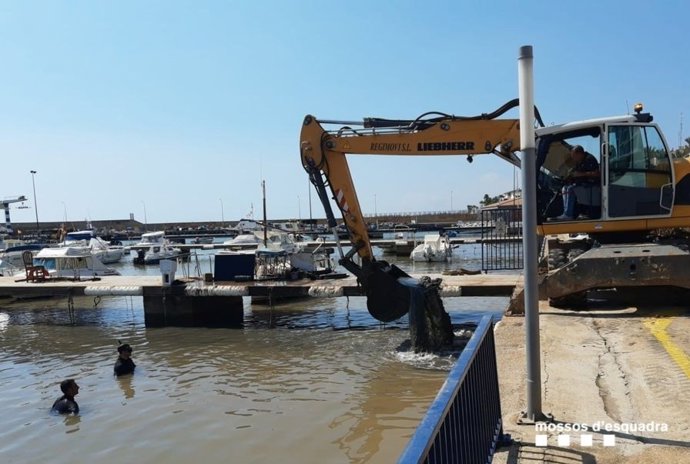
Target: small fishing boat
{"type": "Point", "coordinates": [155, 253]}
{"type": "Point", "coordinates": [150, 238]}
{"type": "Point", "coordinates": [435, 248]}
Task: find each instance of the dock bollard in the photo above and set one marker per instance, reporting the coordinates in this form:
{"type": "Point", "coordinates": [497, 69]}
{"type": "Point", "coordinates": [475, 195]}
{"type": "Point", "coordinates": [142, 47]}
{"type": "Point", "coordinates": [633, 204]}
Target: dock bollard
{"type": "Point", "coordinates": [168, 268]}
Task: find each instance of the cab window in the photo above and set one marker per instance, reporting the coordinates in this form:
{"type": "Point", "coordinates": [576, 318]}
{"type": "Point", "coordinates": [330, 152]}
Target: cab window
{"type": "Point", "coordinates": [638, 168]}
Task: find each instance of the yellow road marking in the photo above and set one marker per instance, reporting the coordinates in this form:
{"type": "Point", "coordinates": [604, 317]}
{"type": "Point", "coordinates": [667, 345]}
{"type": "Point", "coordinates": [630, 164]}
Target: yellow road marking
{"type": "Point", "coordinates": [658, 328]}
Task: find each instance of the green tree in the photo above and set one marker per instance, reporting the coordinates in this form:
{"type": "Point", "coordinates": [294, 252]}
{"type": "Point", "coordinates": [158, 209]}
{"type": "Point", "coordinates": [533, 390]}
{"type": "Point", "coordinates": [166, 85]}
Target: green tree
{"type": "Point", "coordinates": [488, 200]}
{"type": "Point", "coordinates": [683, 151]}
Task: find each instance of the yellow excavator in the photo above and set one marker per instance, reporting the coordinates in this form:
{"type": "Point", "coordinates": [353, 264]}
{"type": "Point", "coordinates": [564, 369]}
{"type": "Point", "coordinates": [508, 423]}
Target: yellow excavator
{"type": "Point", "coordinates": [640, 191]}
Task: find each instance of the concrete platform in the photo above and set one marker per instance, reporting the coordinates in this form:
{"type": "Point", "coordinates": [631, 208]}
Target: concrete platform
{"type": "Point", "coordinates": [615, 368]}
{"type": "Point", "coordinates": [464, 285]}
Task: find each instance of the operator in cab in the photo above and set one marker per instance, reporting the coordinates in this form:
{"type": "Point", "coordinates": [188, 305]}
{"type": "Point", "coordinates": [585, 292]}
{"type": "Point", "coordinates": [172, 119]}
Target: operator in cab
{"type": "Point", "coordinates": [585, 173]}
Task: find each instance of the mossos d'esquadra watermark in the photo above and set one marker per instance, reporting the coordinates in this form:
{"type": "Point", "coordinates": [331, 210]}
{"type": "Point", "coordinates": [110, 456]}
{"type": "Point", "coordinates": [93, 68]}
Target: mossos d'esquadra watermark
{"type": "Point", "coordinates": [607, 430]}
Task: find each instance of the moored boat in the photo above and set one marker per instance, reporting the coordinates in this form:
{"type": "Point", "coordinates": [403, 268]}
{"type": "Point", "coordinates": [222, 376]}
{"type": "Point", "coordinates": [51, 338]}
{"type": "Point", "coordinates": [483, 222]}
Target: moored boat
{"type": "Point", "coordinates": [155, 253]}
{"type": "Point", "coordinates": [72, 262]}
{"type": "Point", "coordinates": [435, 248]}
{"type": "Point", "coordinates": [101, 249]}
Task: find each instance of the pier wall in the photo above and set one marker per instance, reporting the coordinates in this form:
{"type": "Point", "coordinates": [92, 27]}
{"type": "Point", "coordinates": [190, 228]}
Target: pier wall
{"type": "Point", "coordinates": [172, 307]}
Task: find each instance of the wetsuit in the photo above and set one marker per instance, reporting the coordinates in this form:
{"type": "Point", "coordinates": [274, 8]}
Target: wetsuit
{"type": "Point", "coordinates": [65, 405]}
{"type": "Point", "coordinates": [124, 366]}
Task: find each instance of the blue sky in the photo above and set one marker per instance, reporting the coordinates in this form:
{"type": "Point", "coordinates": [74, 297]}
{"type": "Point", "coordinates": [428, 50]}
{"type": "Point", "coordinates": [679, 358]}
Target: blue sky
{"type": "Point", "coordinates": [180, 108]}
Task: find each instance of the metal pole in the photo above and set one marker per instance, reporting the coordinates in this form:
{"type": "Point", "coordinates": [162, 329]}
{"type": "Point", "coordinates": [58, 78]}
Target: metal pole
{"type": "Point", "coordinates": [33, 182]}
{"type": "Point", "coordinates": [311, 221]}
{"type": "Point", "coordinates": [529, 234]}
{"type": "Point", "coordinates": [263, 189]}
{"type": "Point", "coordinates": [146, 222]}
{"type": "Point", "coordinates": [451, 200]}
{"type": "Point", "coordinates": [222, 213]}
{"type": "Point", "coordinates": [376, 213]}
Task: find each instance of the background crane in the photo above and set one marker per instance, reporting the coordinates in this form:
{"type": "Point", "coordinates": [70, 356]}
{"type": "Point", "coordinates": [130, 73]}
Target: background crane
{"type": "Point", "coordinates": [6, 206]}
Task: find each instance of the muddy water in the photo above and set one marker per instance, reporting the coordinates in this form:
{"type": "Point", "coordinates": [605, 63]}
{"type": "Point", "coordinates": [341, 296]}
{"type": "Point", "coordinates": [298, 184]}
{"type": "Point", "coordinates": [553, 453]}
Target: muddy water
{"type": "Point", "coordinates": [313, 381]}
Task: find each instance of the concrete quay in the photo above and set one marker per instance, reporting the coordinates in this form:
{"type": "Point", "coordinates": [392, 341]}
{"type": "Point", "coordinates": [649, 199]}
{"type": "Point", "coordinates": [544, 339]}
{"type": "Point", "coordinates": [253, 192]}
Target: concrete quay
{"type": "Point", "coordinates": [452, 286]}
{"type": "Point", "coordinates": [625, 368]}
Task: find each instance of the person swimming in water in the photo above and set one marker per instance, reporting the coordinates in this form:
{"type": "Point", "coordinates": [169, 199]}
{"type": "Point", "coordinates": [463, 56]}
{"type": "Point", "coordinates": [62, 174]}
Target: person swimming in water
{"type": "Point", "coordinates": [66, 404]}
{"type": "Point", "coordinates": [124, 364]}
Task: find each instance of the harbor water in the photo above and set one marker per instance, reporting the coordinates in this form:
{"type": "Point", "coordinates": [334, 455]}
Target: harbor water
{"type": "Point", "coordinates": [316, 380]}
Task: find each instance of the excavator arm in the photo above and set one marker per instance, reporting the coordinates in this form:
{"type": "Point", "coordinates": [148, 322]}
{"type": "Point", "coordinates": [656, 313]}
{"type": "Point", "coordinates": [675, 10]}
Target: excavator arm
{"type": "Point", "coordinates": [324, 152]}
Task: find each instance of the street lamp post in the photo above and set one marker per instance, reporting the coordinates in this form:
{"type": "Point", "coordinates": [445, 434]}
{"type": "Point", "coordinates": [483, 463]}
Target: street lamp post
{"type": "Point", "coordinates": [146, 222]}
{"type": "Point", "coordinates": [222, 213]}
{"type": "Point", "coordinates": [33, 182]}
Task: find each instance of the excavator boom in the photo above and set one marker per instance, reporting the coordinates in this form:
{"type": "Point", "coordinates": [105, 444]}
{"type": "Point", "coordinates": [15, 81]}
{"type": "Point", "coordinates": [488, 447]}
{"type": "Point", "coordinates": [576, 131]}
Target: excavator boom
{"type": "Point", "coordinates": [324, 152]}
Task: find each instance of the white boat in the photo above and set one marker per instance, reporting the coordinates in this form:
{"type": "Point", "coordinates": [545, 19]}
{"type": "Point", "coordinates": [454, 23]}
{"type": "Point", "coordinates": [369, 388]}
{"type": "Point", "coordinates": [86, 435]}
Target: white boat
{"type": "Point", "coordinates": [243, 240]}
{"type": "Point", "coordinates": [11, 257]}
{"type": "Point", "coordinates": [278, 241]}
{"type": "Point", "coordinates": [72, 262]}
{"type": "Point", "coordinates": [155, 253]}
{"type": "Point", "coordinates": [150, 238]}
{"type": "Point", "coordinates": [292, 227]}
{"type": "Point", "coordinates": [105, 253]}
{"type": "Point", "coordinates": [316, 263]}
{"type": "Point", "coordinates": [434, 249]}
{"type": "Point", "coordinates": [246, 225]}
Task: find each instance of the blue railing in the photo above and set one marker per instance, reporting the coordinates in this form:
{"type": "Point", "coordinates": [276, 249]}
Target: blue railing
{"type": "Point", "coordinates": [463, 424]}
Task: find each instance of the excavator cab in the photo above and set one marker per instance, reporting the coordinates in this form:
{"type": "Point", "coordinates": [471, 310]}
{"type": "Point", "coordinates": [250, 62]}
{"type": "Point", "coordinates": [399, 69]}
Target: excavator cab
{"type": "Point", "coordinates": [636, 172]}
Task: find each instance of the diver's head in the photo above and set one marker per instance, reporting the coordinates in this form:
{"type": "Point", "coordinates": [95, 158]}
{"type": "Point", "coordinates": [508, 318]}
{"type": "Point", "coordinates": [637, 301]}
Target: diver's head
{"type": "Point", "coordinates": [69, 387]}
{"type": "Point", "coordinates": [125, 350]}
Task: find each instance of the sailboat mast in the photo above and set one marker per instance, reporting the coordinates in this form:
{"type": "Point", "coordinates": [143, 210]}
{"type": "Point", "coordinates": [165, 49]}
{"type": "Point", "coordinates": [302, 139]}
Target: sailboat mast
{"type": "Point", "coordinates": [263, 188]}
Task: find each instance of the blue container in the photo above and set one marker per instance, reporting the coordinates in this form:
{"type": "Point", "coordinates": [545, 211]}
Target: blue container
{"type": "Point", "coordinates": [234, 267]}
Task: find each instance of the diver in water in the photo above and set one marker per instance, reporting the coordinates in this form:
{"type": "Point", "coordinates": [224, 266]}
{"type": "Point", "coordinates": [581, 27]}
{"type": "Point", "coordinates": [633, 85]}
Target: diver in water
{"type": "Point", "coordinates": [124, 364]}
{"type": "Point", "coordinates": [66, 404]}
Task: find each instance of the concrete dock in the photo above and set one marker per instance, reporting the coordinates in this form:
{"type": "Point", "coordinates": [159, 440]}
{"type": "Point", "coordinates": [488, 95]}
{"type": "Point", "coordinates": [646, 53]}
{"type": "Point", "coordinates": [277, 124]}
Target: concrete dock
{"type": "Point", "coordinates": [626, 369]}
{"type": "Point", "coordinates": [462, 285]}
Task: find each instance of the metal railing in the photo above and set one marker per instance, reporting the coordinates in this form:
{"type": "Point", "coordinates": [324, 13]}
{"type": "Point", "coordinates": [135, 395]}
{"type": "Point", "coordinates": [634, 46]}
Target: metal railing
{"type": "Point", "coordinates": [464, 423]}
{"type": "Point", "coordinates": [502, 239]}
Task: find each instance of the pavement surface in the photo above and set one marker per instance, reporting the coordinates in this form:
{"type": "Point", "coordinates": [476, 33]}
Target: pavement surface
{"type": "Point", "coordinates": [619, 377]}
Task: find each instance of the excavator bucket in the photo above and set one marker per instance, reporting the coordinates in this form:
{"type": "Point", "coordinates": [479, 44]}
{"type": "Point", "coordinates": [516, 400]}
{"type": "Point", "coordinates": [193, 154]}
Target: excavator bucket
{"type": "Point", "coordinates": [392, 293]}
{"type": "Point", "coordinates": [387, 298]}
